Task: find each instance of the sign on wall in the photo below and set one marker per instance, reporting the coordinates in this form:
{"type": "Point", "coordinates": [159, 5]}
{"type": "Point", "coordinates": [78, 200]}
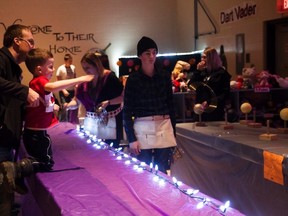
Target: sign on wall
{"type": "Point", "coordinates": [282, 6]}
{"type": "Point", "coordinates": [238, 12]}
{"type": "Point", "coordinates": [57, 41]}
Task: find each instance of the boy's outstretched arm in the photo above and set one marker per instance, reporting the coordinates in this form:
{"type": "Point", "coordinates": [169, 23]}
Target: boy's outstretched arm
{"type": "Point", "coordinates": [62, 84]}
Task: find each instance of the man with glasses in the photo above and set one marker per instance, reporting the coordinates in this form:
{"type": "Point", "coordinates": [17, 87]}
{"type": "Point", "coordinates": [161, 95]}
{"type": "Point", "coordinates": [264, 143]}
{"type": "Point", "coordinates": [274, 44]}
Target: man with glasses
{"type": "Point", "coordinates": [30, 42]}
{"type": "Point", "coordinates": [17, 42]}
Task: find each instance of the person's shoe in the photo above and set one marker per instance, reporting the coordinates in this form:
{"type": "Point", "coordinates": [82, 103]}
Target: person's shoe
{"type": "Point", "coordinates": [8, 171]}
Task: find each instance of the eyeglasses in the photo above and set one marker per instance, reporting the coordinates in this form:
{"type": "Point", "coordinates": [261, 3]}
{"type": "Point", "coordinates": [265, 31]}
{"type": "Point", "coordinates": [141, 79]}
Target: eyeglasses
{"type": "Point", "coordinates": [30, 42]}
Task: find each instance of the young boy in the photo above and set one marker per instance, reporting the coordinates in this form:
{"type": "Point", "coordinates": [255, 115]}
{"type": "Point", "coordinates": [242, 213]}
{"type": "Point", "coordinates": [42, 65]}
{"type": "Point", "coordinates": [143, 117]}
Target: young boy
{"type": "Point", "coordinates": [37, 142]}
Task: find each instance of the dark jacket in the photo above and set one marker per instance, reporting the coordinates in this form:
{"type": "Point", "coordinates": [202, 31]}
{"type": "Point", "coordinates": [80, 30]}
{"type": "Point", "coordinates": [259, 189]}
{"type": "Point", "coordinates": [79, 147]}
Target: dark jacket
{"type": "Point", "coordinates": [147, 96]}
{"type": "Point", "coordinates": [13, 97]}
{"type": "Point", "coordinates": [219, 82]}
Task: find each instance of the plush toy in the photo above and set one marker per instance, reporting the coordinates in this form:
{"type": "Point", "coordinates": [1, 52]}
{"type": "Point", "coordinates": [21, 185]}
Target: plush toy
{"type": "Point", "coordinates": [233, 84]}
{"type": "Point", "coordinates": [179, 84]}
{"type": "Point", "coordinates": [249, 77]}
{"type": "Point", "coordinates": [179, 67]}
{"type": "Point", "coordinates": [178, 76]}
{"type": "Point", "coordinates": [263, 79]}
{"type": "Point", "coordinates": [283, 82]}
{"type": "Point", "coordinates": [237, 84]}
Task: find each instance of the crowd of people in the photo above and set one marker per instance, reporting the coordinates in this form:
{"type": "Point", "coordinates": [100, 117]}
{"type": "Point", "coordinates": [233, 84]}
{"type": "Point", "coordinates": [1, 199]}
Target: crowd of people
{"type": "Point", "coordinates": [144, 107]}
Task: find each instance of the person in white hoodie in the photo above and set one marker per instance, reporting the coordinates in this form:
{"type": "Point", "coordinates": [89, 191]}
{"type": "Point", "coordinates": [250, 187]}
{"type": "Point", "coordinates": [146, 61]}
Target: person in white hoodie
{"type": "Point", "coordinates": [67, 71]}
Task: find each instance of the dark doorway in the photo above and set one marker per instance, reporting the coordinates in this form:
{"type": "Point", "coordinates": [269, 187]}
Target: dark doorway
{"type": "Point", "coordinates": [276, 43]}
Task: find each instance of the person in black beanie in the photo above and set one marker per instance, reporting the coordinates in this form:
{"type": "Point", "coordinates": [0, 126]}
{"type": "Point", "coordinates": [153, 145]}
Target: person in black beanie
{"type": "Point", "coordinates": [148, 99]}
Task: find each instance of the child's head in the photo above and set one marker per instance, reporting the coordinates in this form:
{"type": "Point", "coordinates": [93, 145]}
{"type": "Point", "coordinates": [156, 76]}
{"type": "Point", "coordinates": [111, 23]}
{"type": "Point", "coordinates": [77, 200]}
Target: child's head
{"type": "Point", "coordinates": [91, 64]}
{"type": "Point", "coordinates": [40, 62]}
{"type": "Point", "coordinates": [68, 59]}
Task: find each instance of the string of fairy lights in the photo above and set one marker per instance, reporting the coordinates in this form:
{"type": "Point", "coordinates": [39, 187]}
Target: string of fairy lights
{"type": "Point", "coordinates": [141, 166]}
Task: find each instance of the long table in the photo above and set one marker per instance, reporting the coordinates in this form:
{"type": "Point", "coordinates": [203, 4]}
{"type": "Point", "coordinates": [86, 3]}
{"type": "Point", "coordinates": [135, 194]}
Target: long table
{"type": "Point", "coordinates": [229, 164]}
{"type": "Point", "coordinates": [91, 180]}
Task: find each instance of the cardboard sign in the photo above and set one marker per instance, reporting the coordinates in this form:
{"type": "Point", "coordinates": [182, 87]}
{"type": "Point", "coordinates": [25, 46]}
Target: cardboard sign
{"type": "Point", "coordinates": [273, 167]}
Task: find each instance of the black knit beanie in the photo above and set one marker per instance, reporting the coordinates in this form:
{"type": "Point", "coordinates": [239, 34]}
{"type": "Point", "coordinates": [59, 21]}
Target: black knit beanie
{"type": "Point", "coordinates": [145, 43]}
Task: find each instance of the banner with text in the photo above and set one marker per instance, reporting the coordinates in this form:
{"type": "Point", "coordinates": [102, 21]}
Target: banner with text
{"type": "Point", "coordinates": [238, 12]}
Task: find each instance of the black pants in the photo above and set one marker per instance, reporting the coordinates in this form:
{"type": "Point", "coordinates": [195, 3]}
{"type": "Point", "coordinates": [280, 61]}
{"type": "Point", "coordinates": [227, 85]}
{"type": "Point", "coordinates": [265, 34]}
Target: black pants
{"type": "Point", "coordinates": [160, 157]}
{"type": "Point", "coordinates": [38, 146]}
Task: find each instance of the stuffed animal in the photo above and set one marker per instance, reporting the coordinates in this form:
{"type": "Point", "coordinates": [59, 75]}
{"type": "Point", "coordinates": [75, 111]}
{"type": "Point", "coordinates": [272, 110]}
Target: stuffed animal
{"type": "Point", "coordinates": [179, 67]}
{"type": "Point", "coordinates": [249, 77]}
{"type": "Point", "coordinates": [237, 84]}
{"type": "Point", "coordinates": [283, 82]}
{"type": "Point", "coordinates": [263, 79]}
{"type": "Point", "coordinates": [178, 76]}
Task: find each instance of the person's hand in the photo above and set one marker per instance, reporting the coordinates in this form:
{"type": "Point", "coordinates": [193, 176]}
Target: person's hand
{"type": "Point", "coordinates": [33, 98]}
{"type": "Point", "coordinates": [72, 105]}
{"type": "Point", "coordinates": [201, 65]}
{"type": "Point", "coordinates": [204, 105]}
{"type": "Point", "coordinates": [87, 78]}
{"type": "Point", "coordinates": [56, 108]}
{"type": "Point", "coordinates": [65, 92]}
{"type": "Point", "coordinates": [104, 104]}
{"type": "Point", "coordinates": [65, 105]}
{"type": "Point", "coordinates": [135, 147]}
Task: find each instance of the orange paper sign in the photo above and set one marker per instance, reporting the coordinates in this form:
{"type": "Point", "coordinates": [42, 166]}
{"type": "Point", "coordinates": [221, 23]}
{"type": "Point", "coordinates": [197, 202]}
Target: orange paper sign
{"type": "Point", "coordinates": [273, 167]}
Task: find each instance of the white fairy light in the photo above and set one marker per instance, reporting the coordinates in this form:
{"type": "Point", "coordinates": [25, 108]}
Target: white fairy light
{"type": "Point", "coordinates": [81, 134]}
{"type": "Point", "coordinates": [179, 183]}
{"type": "Point", "coordinates": [140, 169]}
{"type": "Point", "coordinates": [200, 205]}
{"type": "Point", "coordinates": [174, 180]}
{"type": "Point", "coordinates": [156, 169]}
{"type": "Point", "coordinates": [127, 162]}
{"type": "Point", "coordinates": [156, 178]}
{"type": "Point", "coordinates": [162, 182]}
{"type": "Point", "coordinates": [189, 191]}
{"type": "Point", "coordinates": [224, 207]}
{"type": "Point", "coordinates": [151, 167]}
